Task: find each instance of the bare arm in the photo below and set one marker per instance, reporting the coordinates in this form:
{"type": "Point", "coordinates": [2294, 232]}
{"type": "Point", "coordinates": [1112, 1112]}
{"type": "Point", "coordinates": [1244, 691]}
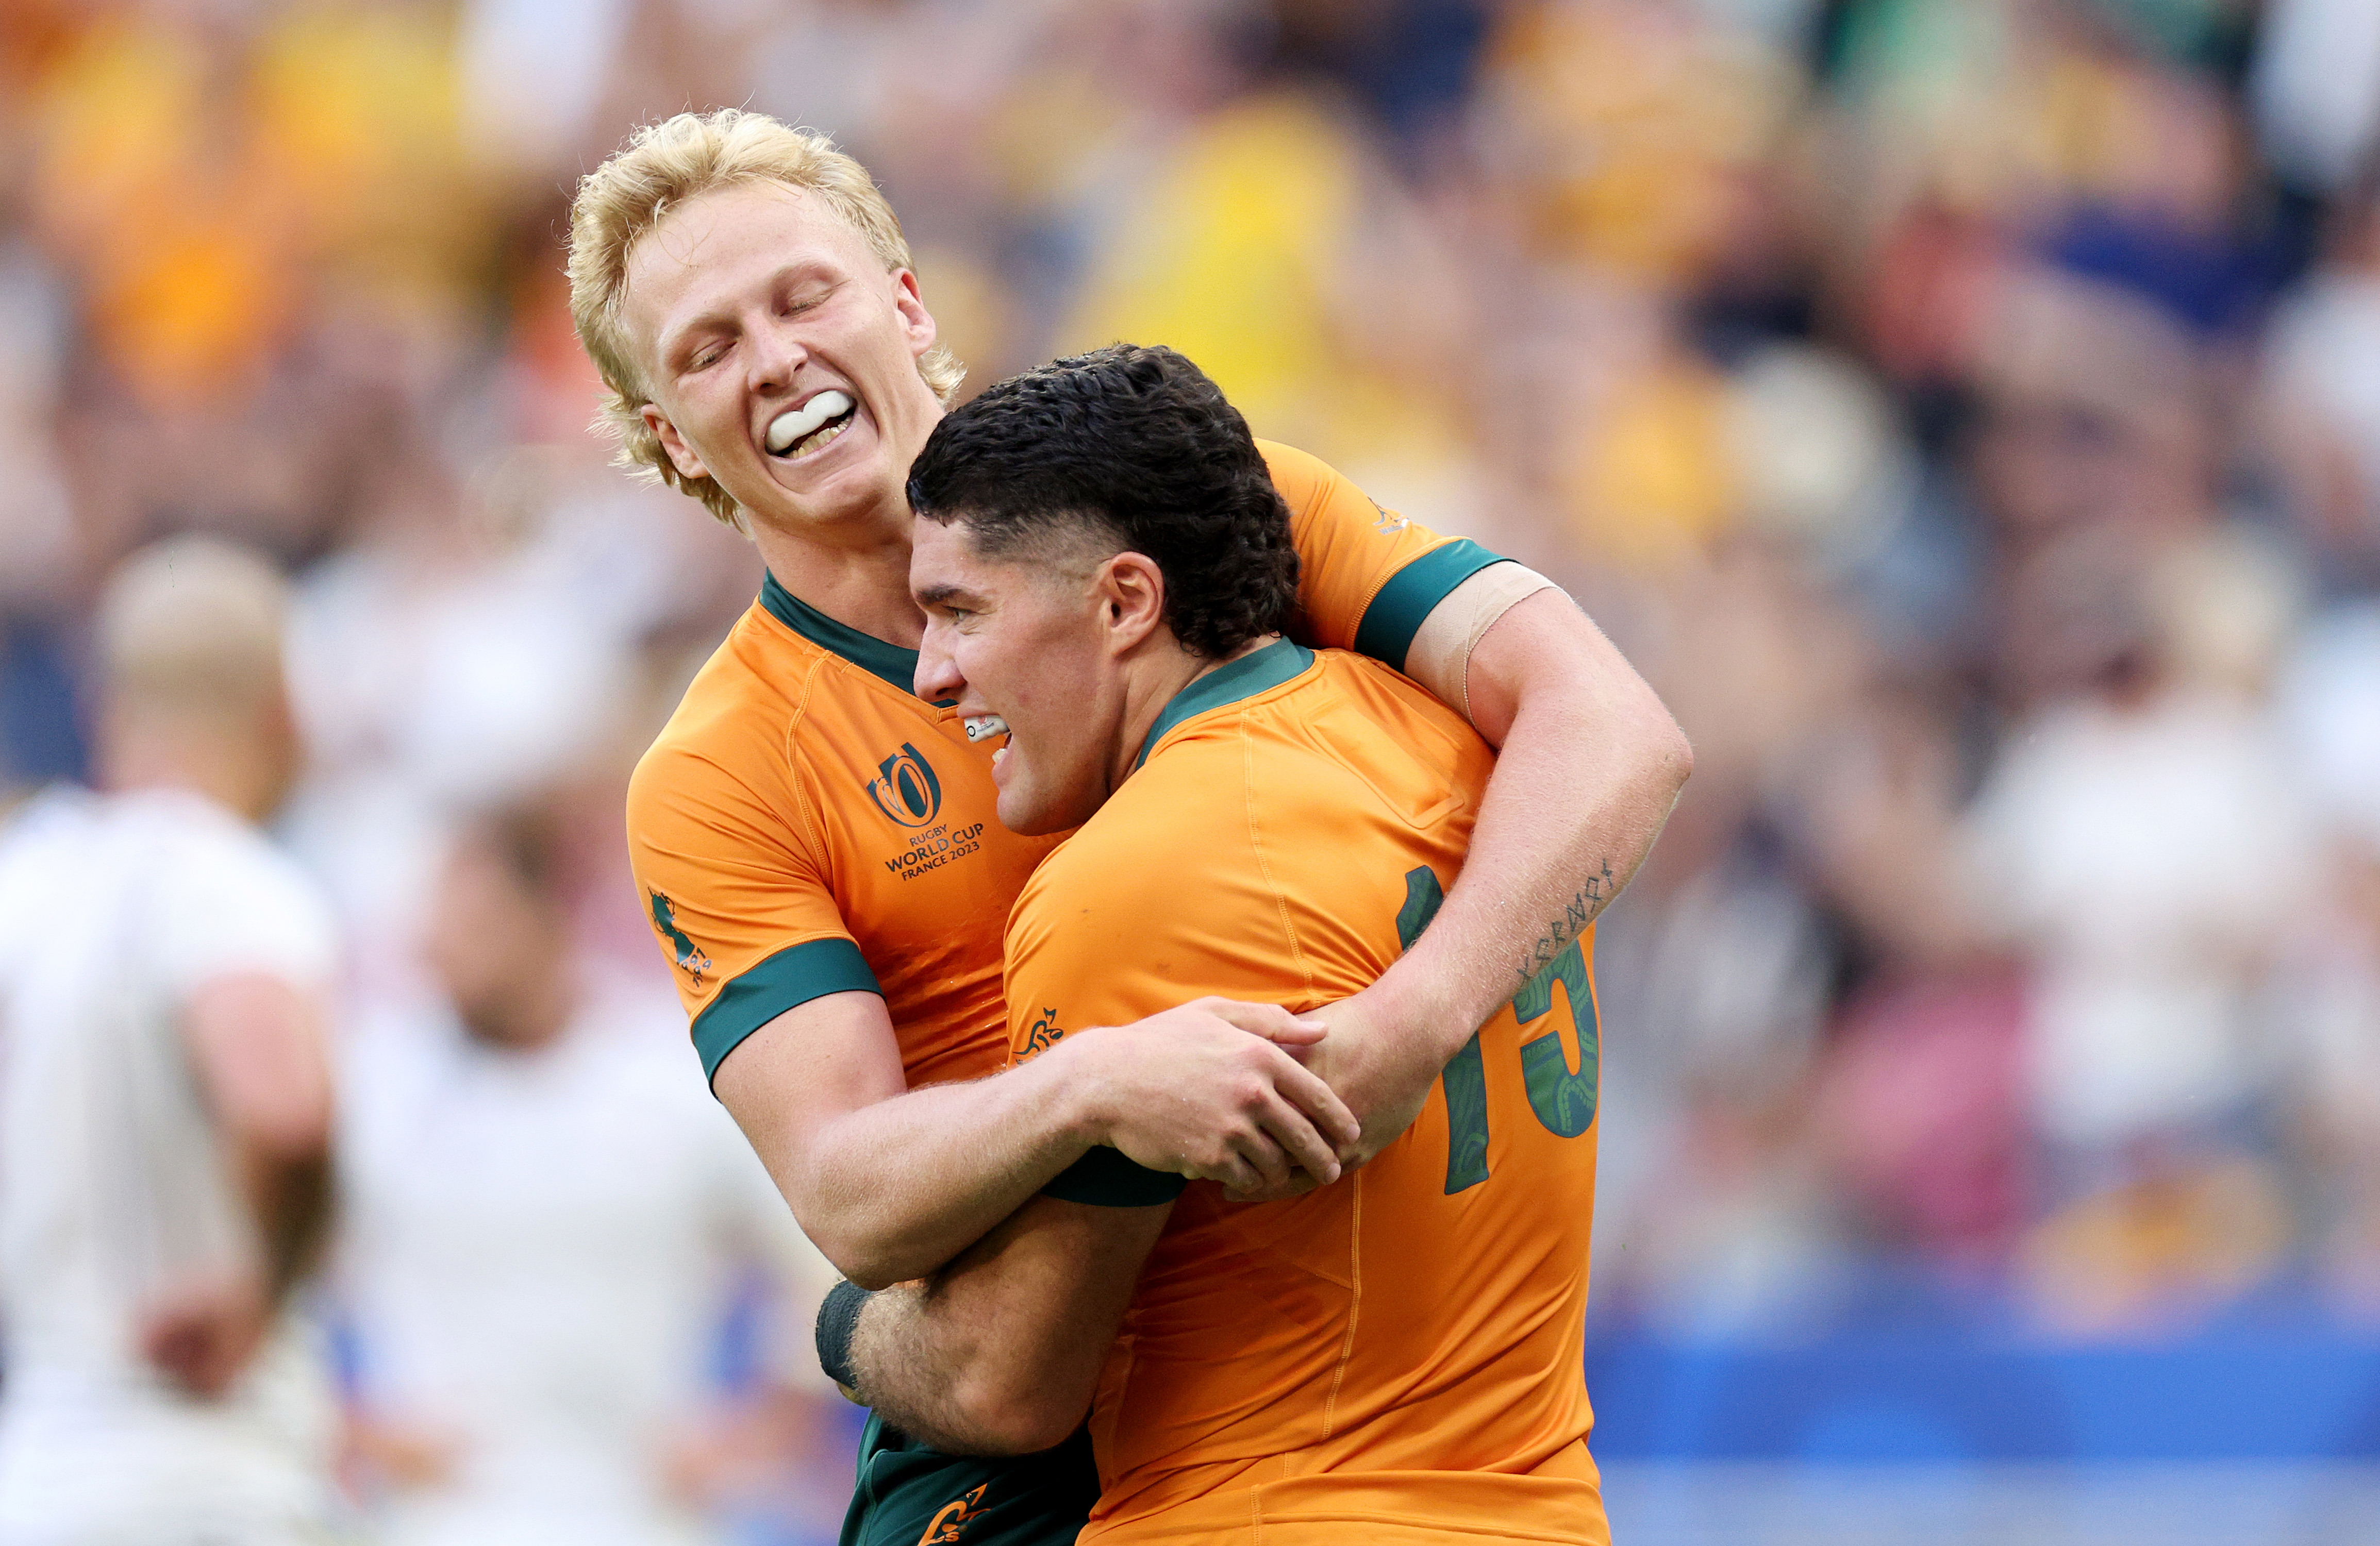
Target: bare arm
{"type": "Point", "coordinates": [259, 1047]}
{"type": "Point", "coordinates": [1590, 765]}
{"type": "Point", "coordinates": [892, 1183]}
{"type": "Point", "coordinates": [256, 1044]}
{"type": "Point", "coordinates": [1000, 1355]}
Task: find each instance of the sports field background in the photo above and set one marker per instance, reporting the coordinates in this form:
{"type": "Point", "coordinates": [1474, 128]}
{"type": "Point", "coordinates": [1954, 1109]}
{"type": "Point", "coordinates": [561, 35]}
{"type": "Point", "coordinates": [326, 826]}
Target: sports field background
{"type": "Point", "coordinates": [1965, 412]}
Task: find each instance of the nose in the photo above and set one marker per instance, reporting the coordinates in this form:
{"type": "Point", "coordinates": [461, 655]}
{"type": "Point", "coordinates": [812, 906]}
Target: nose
{"type": "Point", "coordinates": [939, 678]}
{"type": "Point", "coordinates": [774, 353]}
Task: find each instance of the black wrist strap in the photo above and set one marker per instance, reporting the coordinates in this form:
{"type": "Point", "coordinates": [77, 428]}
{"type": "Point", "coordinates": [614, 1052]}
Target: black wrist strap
{"type": "Point", "coordinates": [838, 1318]}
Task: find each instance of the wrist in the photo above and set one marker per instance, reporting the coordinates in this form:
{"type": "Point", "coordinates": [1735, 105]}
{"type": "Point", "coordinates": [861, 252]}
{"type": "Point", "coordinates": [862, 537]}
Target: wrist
{"type": "Point", "coordinates": [838, 1320]}
{"type": "Point", "coordinates": [1084, 1109]}
{"type": "Point", "coordinates": [1410, 1007]}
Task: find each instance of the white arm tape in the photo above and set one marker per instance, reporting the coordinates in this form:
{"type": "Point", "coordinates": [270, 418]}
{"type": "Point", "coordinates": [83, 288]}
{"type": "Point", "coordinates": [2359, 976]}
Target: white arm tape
{"type": "Point", "coordinates": [1440, 657]}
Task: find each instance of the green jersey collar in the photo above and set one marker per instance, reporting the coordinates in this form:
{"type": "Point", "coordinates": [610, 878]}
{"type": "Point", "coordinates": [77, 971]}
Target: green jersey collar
{"type": "Point", "coordinates": [870, 653]}
{"type": "Point", "coordinates": [1244, 678]}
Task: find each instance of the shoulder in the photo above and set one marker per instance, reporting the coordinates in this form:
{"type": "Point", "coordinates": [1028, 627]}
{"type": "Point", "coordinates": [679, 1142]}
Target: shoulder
{"type": "Point", "coordinates": [1391, 732]}
{"type": "Point", "coordinates": [1388, 701]}
{"type": "Point", "coordinates": [48, 825]}
{"type": "Point", "coordinates": [725, 749]}
{"type": "Point", "coordinates": [45, 844]}
{"type": "Point", "coordinates": [1168, 849]}
{"type": "Point", "coordinates": [218, 850]}
{"type": "Point", "coordinates": [1298, 474]}
{"type": "Point", "coordinates": [742, 702]}
{"type": "Point", "coordinates": [233, 900]}
{"type": "Point", "coordinates": [1348, 735]}
{"type": "Point", "coordinates": [1304, 480]}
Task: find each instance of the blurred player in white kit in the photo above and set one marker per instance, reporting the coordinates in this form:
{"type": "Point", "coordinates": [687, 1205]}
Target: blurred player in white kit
{"type": "Point", "coordinates": [166, 1105]}
{"type": "Point", "coordinates": [547, 1216]}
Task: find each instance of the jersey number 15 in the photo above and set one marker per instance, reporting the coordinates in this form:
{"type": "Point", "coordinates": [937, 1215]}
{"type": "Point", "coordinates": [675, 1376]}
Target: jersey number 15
{"type": "Point", "coordinates": [1562, 1099]}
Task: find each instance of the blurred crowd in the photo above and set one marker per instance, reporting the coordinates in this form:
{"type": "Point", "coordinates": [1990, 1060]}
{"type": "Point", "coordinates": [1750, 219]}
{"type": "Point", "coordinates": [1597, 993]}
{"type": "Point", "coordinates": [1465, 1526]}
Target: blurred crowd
{"type": "Point", "coordinates": [1965, 412]}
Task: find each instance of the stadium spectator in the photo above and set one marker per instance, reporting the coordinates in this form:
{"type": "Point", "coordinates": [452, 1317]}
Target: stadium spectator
{"type": "Point", "coordinates": [164, 1144]}
{"type": "Point", "coordinates": [549, 1223]}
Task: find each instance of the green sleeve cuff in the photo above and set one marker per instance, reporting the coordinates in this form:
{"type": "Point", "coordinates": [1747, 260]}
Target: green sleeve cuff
{"type": "Point", "coordinates": [1413, 592]}
{"type": "Point", "coordinates": [793, 976]}
{"type": "Point", "coordinates": [1104, 1178]}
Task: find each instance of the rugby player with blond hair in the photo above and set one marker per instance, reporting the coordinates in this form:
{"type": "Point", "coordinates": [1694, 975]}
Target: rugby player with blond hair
{"type": "Point", "coordinates": [819, 849]}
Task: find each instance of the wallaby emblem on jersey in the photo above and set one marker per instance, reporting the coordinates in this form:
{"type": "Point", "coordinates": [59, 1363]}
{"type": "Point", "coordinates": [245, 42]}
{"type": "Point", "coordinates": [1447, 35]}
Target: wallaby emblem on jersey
{"type": "Point", "coordinates": [905, 788]}
{"type": "Point", "coordinates": [690, 959]}
{"type": "Point", "coordinates": [1045, 1033]}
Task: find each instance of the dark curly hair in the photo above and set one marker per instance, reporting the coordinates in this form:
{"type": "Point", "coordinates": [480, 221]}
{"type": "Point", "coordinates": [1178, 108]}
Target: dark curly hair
{"type": "Point", "coordinates": [1136, 449]}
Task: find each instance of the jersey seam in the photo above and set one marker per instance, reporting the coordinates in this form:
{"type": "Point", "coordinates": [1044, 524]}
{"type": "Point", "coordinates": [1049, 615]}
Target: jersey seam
{"type": "Point", "coordinates": [801, 795]}
{"type": "Point", "coordinates": [1264, 867]}
{"type": "Point", "coordinates": [1355, 1300]}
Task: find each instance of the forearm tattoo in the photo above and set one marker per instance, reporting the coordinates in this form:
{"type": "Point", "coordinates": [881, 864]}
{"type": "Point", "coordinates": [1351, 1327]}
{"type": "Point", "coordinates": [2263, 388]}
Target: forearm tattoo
{"type": "Point", "coordinates": [1563, 930]}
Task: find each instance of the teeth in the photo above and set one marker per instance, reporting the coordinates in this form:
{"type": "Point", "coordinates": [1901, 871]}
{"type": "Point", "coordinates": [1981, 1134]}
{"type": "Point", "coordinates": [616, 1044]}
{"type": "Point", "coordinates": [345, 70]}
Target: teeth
{"type": "Point", "coordinates": [796, 424]}
{"type": "Point", "coordinates": [984, 726]}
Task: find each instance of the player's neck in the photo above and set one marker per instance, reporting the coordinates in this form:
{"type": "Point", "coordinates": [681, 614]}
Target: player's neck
{"type": "Point", "coordinates": [242, 773]}
{"type": "Point", "coordinates": [854, 570]}
{"type": "Point", "coordinates": [1157, 673]}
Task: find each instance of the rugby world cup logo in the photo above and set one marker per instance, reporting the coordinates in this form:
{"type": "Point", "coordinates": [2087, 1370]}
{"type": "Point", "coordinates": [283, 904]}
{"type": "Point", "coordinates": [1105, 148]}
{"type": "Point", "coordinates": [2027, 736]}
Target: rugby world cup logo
{"type": "Point", "coordinates": [905, 788]}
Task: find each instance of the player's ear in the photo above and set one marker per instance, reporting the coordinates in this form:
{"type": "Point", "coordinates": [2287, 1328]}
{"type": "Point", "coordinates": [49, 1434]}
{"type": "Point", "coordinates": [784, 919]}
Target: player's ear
{"type": "Point", "coordinates": [681, 454]}
{"type": "Point", "coordinates": [916, 321]}
{"type": "Point", "coordinates": [1131, 591]}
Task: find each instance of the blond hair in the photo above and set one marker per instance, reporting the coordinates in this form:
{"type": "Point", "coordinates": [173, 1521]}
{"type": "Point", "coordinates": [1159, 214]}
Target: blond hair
{"type": "Point", "coordinates": [664, 165]}
{"type": "Point", "coordinates": [194, 623]}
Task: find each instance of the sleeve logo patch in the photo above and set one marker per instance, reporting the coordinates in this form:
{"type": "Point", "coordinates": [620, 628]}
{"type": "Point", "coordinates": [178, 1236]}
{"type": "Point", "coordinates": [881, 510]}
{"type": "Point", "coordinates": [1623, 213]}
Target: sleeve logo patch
{"type": "Point", "coordinates": [905, 790]}
{"type": "Point", "coordinates": [1045, 1034]}
{"type": "Point", "coordinates": [1390, 523]}
{"type": "Point", "coordinates": [951, 1524]}
{"type": "Point", "coordinates": [690, 956]}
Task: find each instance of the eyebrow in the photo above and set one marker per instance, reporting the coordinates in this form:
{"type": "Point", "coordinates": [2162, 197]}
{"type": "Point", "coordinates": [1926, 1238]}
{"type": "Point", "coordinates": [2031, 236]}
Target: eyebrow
{"type": "Point", "coordinates": [675, 342]}
{"type": "Point", "coordinates": [943, 595]}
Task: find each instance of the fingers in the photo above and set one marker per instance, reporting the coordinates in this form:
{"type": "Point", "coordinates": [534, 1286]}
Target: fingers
{"type": "Point", "coordinates": [1265, 1156]}
{"type": "Point", "coordinates": [1268, 1020]}
{"type": "Point", "coordinates": [1303, 1088]}
{"type": "Point", "coordinates": [1236, 1174]}
{"type": "Point", "coordinates": [1245, 1160]}
{"type": "Point", "coordinates": [1297, 1135]}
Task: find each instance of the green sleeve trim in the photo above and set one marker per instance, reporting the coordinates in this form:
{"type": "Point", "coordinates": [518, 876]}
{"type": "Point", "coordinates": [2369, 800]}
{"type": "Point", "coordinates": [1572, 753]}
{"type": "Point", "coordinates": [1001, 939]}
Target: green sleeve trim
{"type": "Point", "coordinates": [1104, 1178]}
{"type": "Point", "coordinates": [1413, 593]}
{"type": "Point", "coordinates": [793, 976]}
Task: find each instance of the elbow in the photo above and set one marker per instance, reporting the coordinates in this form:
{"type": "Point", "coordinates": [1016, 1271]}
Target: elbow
{"type": "Point", "coordinates": [1673, 758]}
{"type": "Point", "coordinates": [868, 1261]}
{"type": "Point", "coordinates": [868, 1273]}
{"type": "Point", "coordinates": [1012, 1417]}
{"type": "Point", "coordinates": [857, 1258]}
{"type": "Point", "coordinates": [1654, 757]}
{"type": "Point", "coordinates": [840, 1225]}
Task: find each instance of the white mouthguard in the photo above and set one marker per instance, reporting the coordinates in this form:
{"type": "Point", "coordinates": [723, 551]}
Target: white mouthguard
{"type": "Point", "coordinates": [794, 423]}
{"type": "Point", "coordinates": [984, 726]}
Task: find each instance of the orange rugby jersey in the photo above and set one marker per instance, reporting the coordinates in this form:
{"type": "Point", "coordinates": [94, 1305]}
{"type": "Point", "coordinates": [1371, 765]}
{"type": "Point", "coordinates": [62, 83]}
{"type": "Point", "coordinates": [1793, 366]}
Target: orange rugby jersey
{"type": "Point", "coordinates": [1398, 1355]}
{"type": "Point", "coordinates": [806, 824]}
